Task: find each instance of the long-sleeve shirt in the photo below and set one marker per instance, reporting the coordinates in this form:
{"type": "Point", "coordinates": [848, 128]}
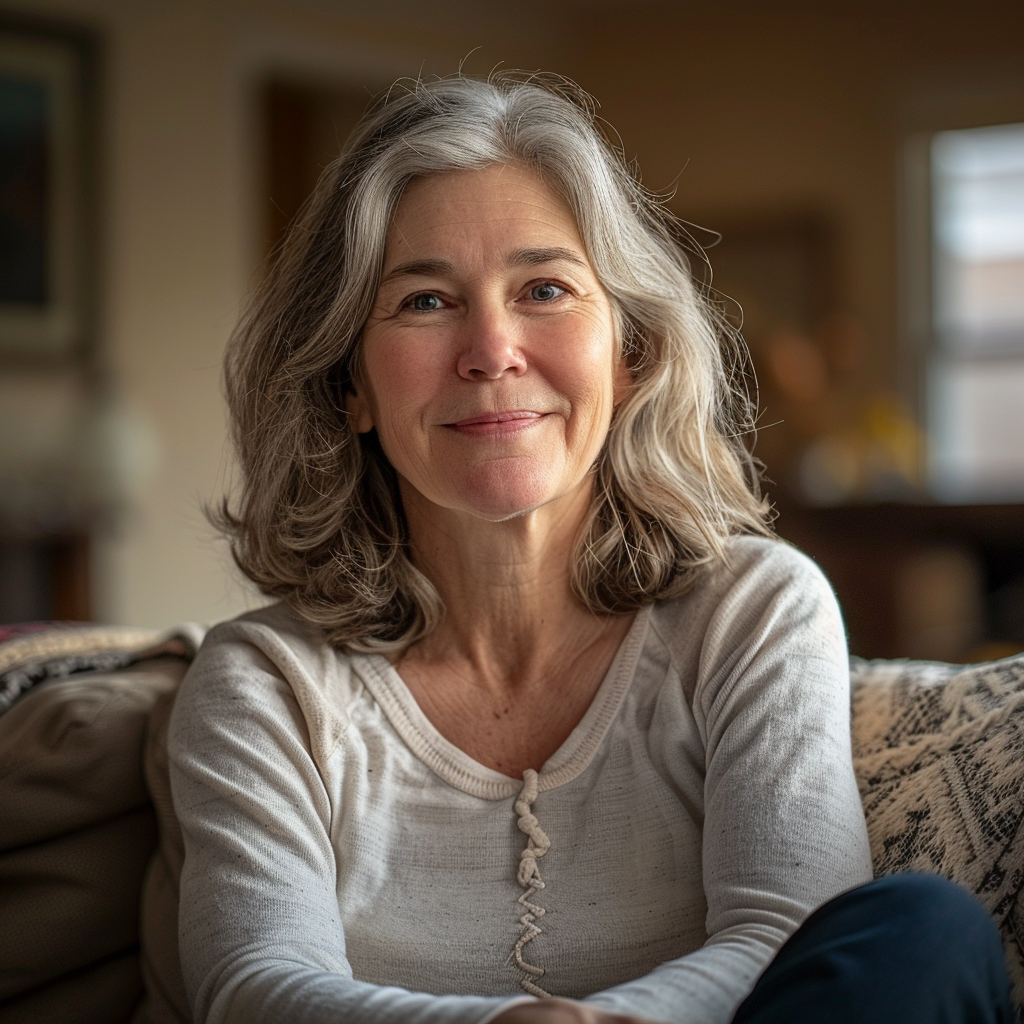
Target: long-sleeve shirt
{"type": "Point", "coordinates": [345, 862]}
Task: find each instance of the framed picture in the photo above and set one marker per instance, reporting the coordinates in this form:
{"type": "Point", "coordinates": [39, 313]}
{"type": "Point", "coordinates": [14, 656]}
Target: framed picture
{"type": "Point", "coordinates": [781, 272]}
{"type": "Point", "coordinates": [42, 194]}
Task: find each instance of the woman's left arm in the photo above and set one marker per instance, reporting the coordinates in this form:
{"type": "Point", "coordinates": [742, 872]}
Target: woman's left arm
{"type": "Point", "coordinates": [783, 828]}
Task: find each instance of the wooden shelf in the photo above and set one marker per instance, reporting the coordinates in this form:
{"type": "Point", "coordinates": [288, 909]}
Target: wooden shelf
{"type": "Point", "coordinates": [862, 549]}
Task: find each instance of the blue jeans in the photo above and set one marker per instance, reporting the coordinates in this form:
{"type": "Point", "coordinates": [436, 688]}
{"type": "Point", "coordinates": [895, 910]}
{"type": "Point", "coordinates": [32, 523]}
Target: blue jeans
{"type": "Point", "coordinates": [906, 949]}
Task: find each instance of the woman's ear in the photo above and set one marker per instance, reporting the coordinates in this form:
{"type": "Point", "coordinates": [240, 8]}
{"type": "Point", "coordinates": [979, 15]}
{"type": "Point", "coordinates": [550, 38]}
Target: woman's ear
{"type": "Point", "coordinates": [359, 410]}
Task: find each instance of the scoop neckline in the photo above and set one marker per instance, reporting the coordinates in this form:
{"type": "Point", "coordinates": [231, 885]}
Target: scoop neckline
{"type": "Point", "coordinates": [457, 768]}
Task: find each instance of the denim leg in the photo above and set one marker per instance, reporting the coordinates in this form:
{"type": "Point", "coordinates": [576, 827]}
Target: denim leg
{"type": "Point", "coordinates": [906, 949]}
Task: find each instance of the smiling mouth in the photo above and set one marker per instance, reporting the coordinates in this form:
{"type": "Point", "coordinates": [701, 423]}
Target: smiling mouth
{"type": "Point", "coordinates": [497, 422]}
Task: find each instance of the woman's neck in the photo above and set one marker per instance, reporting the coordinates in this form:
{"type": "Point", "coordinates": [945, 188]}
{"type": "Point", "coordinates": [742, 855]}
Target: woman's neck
{"type": "Point", "coordinates": [518, 658]}
{"type": "Point", "coordinates": [509, 607]}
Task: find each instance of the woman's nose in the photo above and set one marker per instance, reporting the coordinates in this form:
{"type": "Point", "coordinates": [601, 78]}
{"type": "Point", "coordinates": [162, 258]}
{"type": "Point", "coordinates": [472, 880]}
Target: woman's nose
{"type": "Point", "coordinates": [490, 346]}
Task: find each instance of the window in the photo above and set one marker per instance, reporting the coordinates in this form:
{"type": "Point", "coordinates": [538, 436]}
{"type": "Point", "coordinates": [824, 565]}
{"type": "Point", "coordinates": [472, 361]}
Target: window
{"type": "Point", "coordinates": [976, 369]}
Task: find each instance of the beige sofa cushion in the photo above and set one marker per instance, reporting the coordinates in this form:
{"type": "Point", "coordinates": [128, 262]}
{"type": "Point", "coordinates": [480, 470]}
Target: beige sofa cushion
{"type": "Point", "coordinates": [939, 756]}
{"type": "Point", "coordinates": [76, 834]}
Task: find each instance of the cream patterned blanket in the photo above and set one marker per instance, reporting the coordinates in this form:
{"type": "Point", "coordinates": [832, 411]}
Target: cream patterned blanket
{"type": "Point", "coordinates": [939, 755]}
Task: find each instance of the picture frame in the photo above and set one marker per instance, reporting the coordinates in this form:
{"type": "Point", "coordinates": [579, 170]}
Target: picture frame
{"type": "Point", "coordinates": [777, 271]}
{"type": "Point", "coordinates": [43, 194]}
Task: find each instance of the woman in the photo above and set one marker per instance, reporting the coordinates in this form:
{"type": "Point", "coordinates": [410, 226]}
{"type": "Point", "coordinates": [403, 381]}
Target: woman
{"type": "Point", "coordinates": [546, 727]}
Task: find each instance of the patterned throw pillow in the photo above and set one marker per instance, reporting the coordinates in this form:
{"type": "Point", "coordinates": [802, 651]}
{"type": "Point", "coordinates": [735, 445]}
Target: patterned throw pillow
{"type": "Point", "coordinates": [939, 755]}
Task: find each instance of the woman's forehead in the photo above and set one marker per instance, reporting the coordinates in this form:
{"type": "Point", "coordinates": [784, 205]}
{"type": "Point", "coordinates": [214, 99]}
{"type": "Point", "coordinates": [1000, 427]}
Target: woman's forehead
{"type": "Point", "coordinates": [491, 206]}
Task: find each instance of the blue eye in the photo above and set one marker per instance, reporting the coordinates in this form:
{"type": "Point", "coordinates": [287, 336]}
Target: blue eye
{"type": "Point", "coordinates": [545, 292]}
{"type": "Point", "coordinates": [425, 303]}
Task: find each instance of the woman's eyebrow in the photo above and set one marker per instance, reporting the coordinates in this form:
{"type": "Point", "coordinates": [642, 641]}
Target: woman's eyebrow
{"type": "Point", "coordinates": [533, 257]}
{"type": "Point", "coordinates": [419, 268]}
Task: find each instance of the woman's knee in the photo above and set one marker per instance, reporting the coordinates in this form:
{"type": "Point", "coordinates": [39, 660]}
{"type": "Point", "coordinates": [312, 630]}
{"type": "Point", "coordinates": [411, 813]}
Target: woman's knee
{"type": "Point", "coordinates": [936, 915]}
{"type": "Point", "coordinates": [908, 948]}
{"type": "Point", "coordinates": [924, 932]}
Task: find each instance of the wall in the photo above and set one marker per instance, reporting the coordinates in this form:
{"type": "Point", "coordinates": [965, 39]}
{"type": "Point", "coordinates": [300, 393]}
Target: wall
{"type": "Point", "coordinates": [801, 108]}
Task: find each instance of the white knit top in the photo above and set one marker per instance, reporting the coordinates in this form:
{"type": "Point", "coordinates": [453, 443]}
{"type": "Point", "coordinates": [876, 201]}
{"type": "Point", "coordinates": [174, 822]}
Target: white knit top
{"type": "Point", "coordinates": [347, 863]}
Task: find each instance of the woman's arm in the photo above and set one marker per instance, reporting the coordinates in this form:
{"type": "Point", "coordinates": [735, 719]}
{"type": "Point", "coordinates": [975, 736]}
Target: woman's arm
{"type": "Point", "coordinates": [783, 824]}
{"type": "Point", "coordinates": [261, 936]}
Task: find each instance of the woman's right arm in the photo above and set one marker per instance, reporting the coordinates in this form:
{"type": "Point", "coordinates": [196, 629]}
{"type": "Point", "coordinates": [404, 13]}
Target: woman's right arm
{"type": "Point", "coordinates": [260, 930]}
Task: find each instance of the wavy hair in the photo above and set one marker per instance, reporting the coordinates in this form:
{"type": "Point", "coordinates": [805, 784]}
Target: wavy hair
{"type": "Point", "coordinates": [319, 521]}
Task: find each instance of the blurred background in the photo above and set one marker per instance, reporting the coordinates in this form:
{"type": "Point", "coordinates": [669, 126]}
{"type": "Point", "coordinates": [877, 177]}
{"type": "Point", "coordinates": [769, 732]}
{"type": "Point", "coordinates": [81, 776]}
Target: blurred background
{"type": "Point", "coordinates": [855, 170]}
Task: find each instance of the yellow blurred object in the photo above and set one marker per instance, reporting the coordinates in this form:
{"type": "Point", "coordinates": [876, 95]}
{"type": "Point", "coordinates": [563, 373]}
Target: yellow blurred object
{"type": "Point", "coordinates": [895, 441]}
{"type": "Point", "coordinates": [878, 457]}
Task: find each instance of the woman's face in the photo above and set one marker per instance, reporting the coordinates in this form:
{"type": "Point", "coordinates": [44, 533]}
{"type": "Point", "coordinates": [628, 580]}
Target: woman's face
{"type": "Point", "coordinates": [490, 367]}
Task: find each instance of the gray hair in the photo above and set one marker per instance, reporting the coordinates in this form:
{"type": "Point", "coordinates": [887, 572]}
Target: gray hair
{"type": "Point", "coordinates": [319, 521]}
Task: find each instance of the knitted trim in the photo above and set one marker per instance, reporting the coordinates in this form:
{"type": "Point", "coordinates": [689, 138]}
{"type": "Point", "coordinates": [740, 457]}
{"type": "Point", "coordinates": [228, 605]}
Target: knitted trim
{"type": "Point", "coordinates": [537, 845]}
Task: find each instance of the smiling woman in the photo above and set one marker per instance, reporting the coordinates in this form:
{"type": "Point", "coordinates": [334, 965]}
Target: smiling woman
{"type": "Point", "coordinates": [485, 271]}
{"type": "Point", "coordinates": [546, 728]}
{"type": "Point", "coordinates": [674, 479]}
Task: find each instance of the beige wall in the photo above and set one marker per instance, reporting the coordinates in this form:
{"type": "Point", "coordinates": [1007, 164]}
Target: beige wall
{"type": "Point", "coordinates": [805, 110]}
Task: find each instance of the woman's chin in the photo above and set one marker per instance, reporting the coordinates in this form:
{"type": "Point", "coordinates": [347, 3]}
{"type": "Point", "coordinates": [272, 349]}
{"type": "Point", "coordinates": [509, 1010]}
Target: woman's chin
{"type": "Point", "coordinates": [498, 499]}
{"type": "Point", "coordinates": [497, 508]}
{"type": "Point", "coordinates": [496, 492]}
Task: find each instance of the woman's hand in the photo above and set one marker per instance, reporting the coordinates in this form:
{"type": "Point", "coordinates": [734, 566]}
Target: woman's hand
{"type": "Point", "coordinates": [563, 1011]}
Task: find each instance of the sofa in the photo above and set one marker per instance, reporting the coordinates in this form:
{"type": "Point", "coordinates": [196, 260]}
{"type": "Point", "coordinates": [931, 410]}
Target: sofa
{"type": "Point", "coordinates": [90, 852]}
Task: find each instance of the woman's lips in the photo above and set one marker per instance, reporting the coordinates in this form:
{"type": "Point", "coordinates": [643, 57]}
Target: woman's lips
{"type": "Point", "coordinates": [494, 423]}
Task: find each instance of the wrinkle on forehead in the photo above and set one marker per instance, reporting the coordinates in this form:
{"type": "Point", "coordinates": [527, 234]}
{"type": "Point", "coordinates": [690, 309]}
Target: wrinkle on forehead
{"type": "Point", "coordinates": [467, 199]}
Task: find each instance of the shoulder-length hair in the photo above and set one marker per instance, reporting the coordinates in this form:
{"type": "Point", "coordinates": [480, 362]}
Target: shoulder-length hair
{"type": "Point", "coordinates": [319, 521]}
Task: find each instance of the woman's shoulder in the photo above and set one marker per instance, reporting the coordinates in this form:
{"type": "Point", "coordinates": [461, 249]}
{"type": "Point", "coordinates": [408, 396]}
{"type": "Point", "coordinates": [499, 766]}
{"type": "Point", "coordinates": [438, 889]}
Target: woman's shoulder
{"type": "Point", "coordinates": [763, 585]}
{"type": "Point", "coordinates": [766, 562]}
{"type": "Point", "coordinates": [264, 659]}
{"type": "Point", "coordinates": [754, 565]}
{"type": "Point", "coordinates": [273, 630]}
{"type": "Point", "coordinates": [764, 617]}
